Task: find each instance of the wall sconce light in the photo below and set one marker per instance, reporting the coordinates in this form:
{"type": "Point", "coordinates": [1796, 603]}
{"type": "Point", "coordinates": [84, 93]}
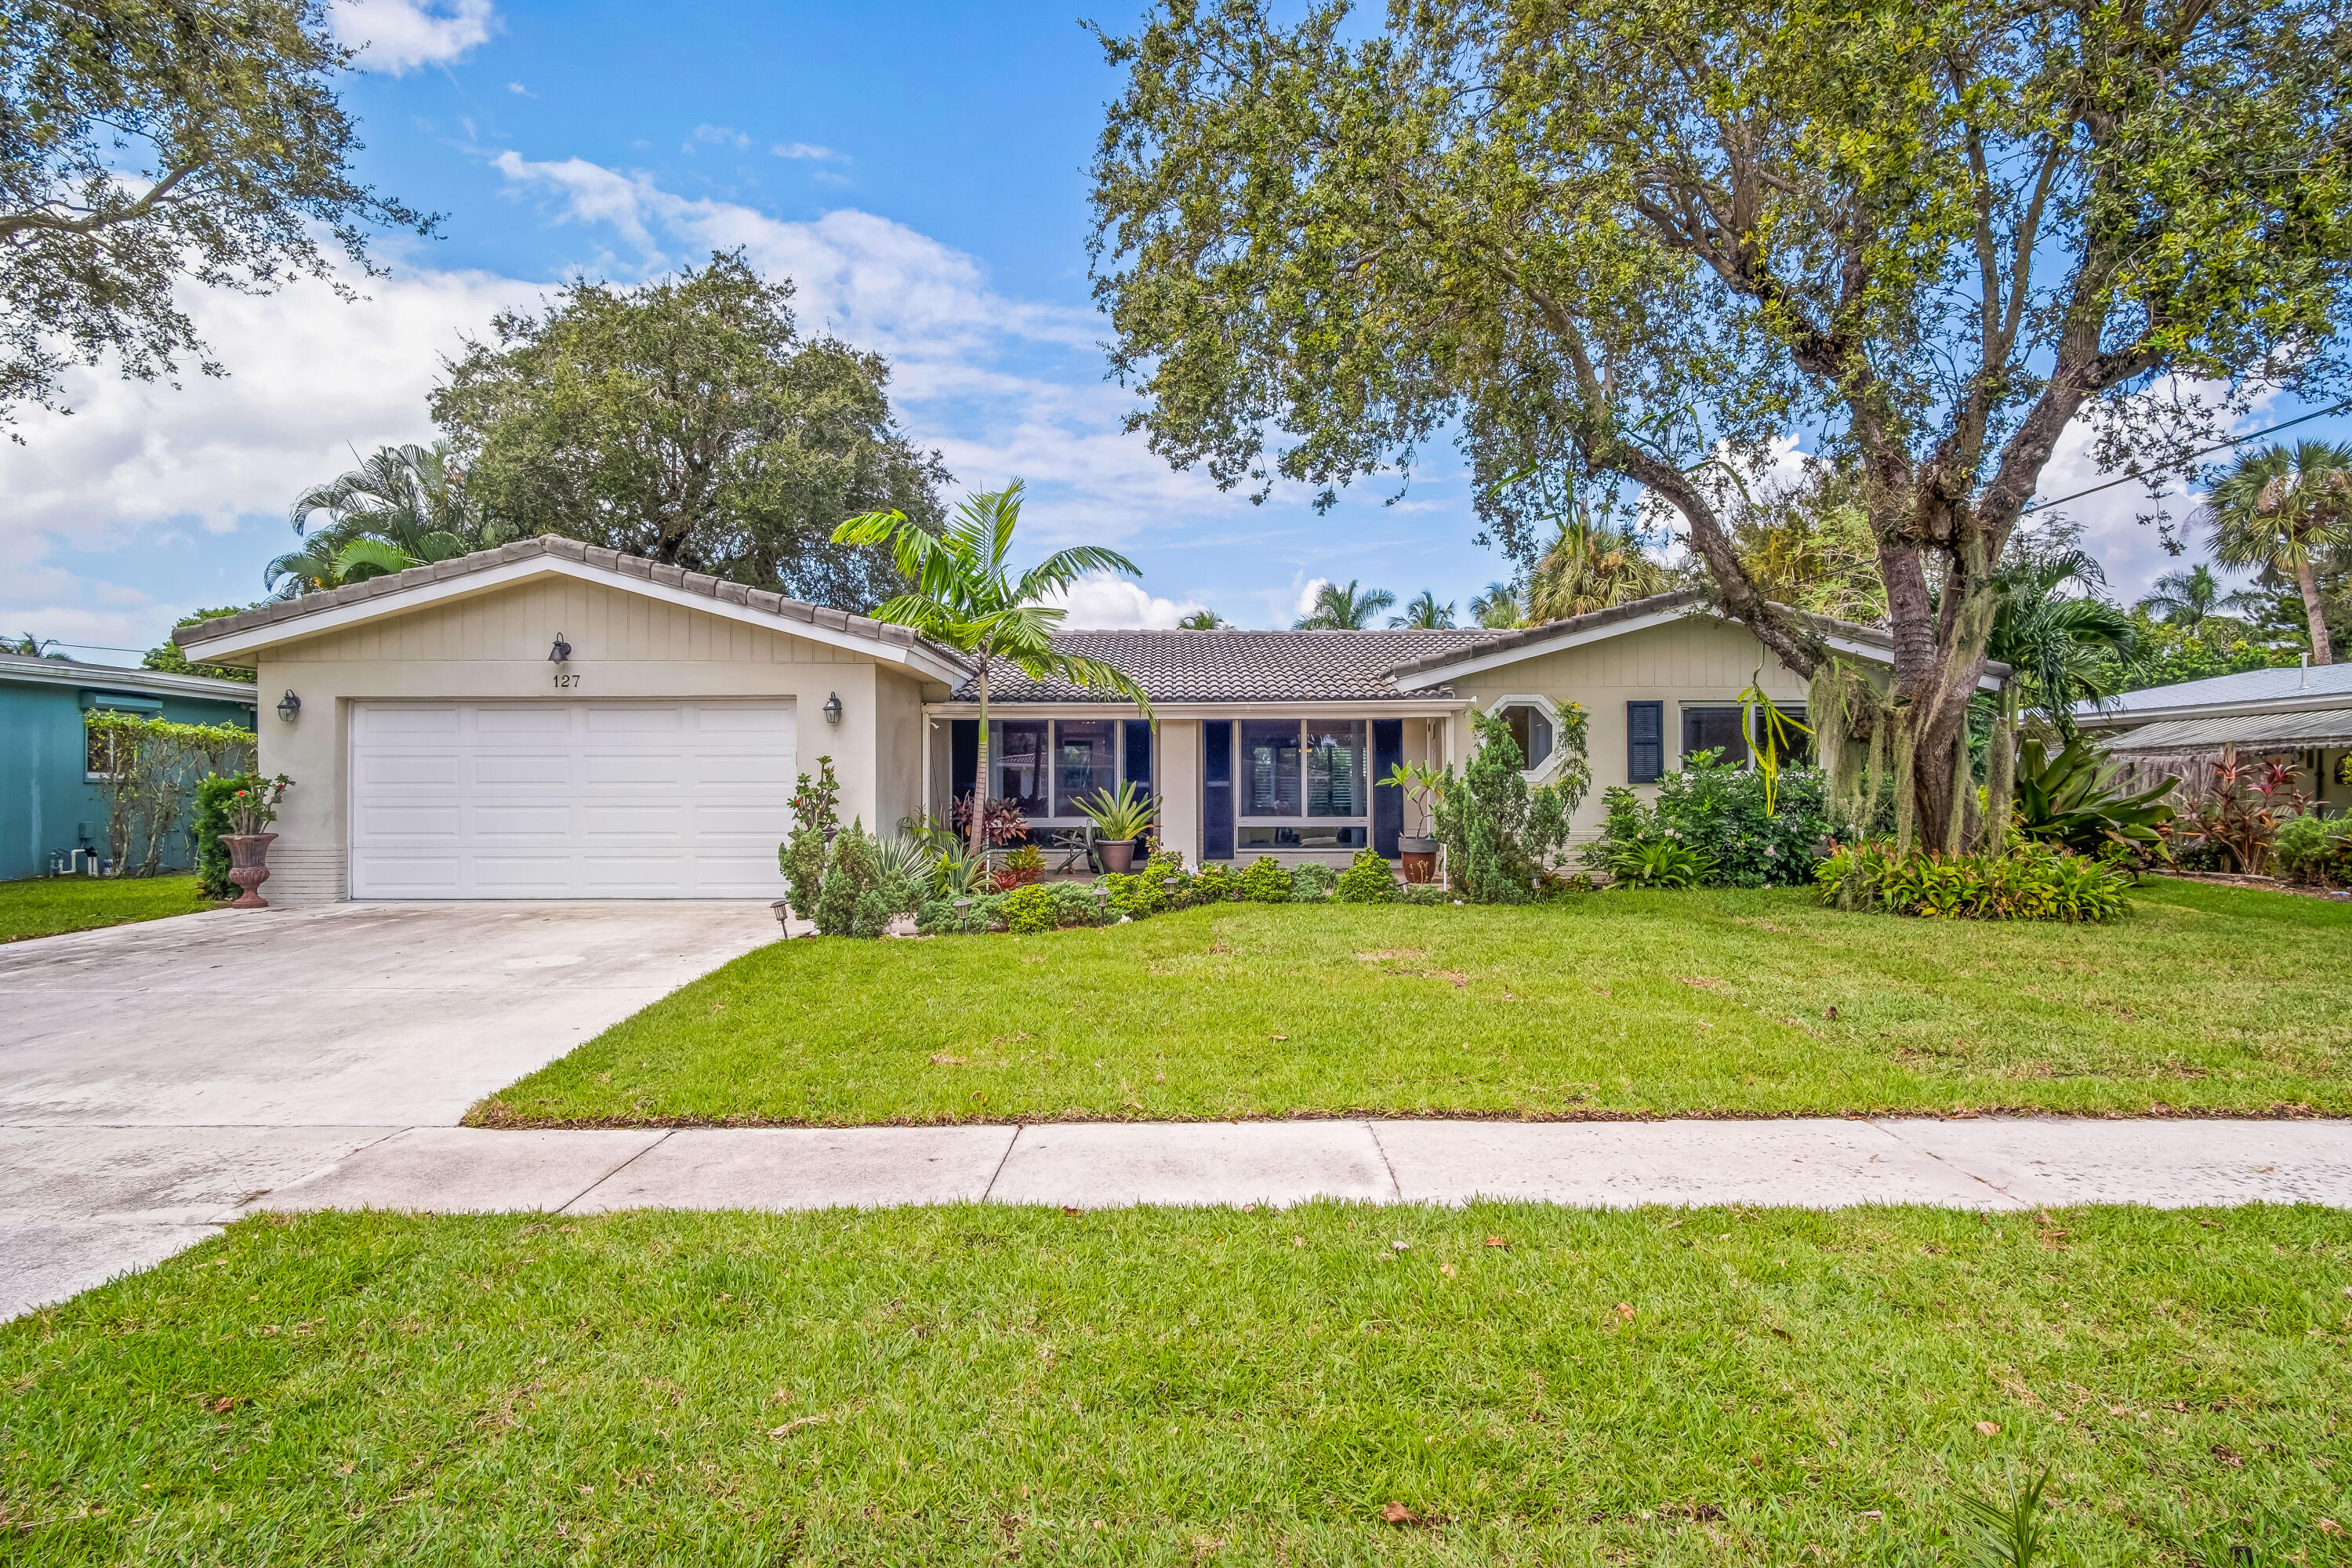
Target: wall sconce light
{"type": "Point", "coordinates": [289, 707]}
{"type": "Point", "coordinates": [833, 708]}
{"type": "Point", "coordinates": [561, 653]}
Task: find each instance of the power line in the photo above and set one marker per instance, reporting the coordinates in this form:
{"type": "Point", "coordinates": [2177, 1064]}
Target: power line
{"type": "Point", "coordinates": [2222, 447]}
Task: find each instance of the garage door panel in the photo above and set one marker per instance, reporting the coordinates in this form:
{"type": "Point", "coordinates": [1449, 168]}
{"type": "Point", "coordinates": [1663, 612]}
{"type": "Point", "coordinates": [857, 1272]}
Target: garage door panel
{"type": "Point", "coordinates": [514, 800]}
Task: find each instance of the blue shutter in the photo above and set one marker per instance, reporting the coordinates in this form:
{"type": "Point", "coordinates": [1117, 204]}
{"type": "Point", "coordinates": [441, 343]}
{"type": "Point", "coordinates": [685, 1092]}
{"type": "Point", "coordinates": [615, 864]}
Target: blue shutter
{"type": "Point", "coordinates": [1645, 741]}
{"type": "Point", "coordinates": [1387, 804]}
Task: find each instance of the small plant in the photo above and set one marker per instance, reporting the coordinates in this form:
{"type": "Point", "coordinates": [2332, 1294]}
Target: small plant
{"type": "Point", "coordinates": [851, 874]}
{"type": "Point", "coordinates": [2037, 882]}
{"type": "Point", "coordinates": [2010, 1535]}
{"type": "Point", "coordinates": [1122, 816]}
{"type": "Point", "coordinates": [2244, 805]}
{"type": "Point", "coordinates": [1028, 910]}
{"type": "Point", "coordinates": [1312, 883]}
{"type": "Point", "coordinates": [1422, 786]}
{"type": "Point", "coordinates": [1004, 823]}
{"type": "Point", "coordinates": [1216, 884]}
{"type": "Point", "coordinates": [1659, 863]}
{"type": "Point", "coordinates": [801, 857]}
{"type": "Point", "coordinates": [1023, 867]}
{"type": "Point", "coordinates": [1368, 881]}
{"type": "Point", "coordinates": [2314, 850]}
{"type": "Point", "coordinates": [1773, 732]}
{"type": "Point", "coordinates": [212, 821]}
{"type": "Point", "coordinates": [255, 806]}
{"type": "Point", "coordinates": [1265, 882]}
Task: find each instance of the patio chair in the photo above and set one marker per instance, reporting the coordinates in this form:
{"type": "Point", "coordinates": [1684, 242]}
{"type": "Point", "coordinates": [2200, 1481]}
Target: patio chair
{"type": "Point", "coordinates": [1066, 847]}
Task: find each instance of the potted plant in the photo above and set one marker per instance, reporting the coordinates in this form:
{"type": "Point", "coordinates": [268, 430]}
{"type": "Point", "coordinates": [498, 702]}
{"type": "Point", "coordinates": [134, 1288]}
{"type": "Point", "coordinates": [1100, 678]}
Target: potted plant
{"type": "Point", "coordinates": [1120, 820]}
{"type": "Point", "coordinates": [250, 810]}
{"type": "Point", "coordinates": [1424, 787]}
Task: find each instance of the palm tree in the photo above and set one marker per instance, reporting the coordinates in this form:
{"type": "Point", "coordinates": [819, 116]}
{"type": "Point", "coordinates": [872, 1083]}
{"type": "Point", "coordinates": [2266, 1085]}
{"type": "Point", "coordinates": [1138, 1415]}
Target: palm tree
{"type": "Point", "coordinates": [1338, 609]}
{"type": "Point", "coordinates": [1591, 568]}
{"type": "Point", "coordinates": [1496, 609]}
{"type": "Point", "coordinates": [1423, 612]}
{"type": "Point", "coordinates": [2061, 646]}
{"type": "Point", "coordinates": [964, 596]}
{"type": "Point", "coordinates": [1201, 621]}
{"type": "Point", "coordinates": [27, 645]}
{"type": "Point", "coordinates": [2185, 599]}
{"type": "Point", "coordinates": [405, 506]}
{"type": "Point", "coordinates": [2275, 508]}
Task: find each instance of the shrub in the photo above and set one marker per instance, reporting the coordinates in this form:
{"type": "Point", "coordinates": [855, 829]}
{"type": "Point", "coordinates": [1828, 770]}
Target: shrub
{"type": "Point", "coordinates": [1216, 884]}
{"type": "Point", "coordinates": [2313, 850]}
{"type": "Point", "coordinates": [1023, 867]}
{"type": "Point", "coordinates": [2072, 800]}
{"type": "Point", "coordinates": [212, 821]}
{"type": "Point", "coordinates": [1312, 883]}
{"type": "Point", "coordinates": [848, 878]}
{"type": "Point", "coordinates": [1027, 908]}
{"type": "Point", "coordinates": [1715, 810]}
{"type": "Point", "coordinates": [801, 857]}
{"type": "Point", "coordinates": [2037, 882]}
{"type": "Point", "coordinates": [2244, 805]}
{"type": "Point", "coordinates": [1265, 882]}
{"type": "Point", "coordinates": [1368, 881]}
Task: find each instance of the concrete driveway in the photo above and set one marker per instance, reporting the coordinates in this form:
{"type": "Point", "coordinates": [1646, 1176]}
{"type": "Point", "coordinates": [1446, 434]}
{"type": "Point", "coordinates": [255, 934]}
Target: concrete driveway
{"type": "Point", "coordinates": [153, 1076]}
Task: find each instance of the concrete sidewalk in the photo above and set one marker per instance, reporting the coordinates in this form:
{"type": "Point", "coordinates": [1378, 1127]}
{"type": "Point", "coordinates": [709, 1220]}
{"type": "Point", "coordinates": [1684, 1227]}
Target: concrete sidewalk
{"type": "Point", "coordinates": [1989, 1164]}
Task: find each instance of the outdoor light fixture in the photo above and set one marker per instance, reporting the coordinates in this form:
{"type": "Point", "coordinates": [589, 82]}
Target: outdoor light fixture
{"type": "Point", "coordinates": [833, 708]}
{"type": "Point", "coordinates": [289, 707]}
{"type": "Point", "coordinates": [561, 653]}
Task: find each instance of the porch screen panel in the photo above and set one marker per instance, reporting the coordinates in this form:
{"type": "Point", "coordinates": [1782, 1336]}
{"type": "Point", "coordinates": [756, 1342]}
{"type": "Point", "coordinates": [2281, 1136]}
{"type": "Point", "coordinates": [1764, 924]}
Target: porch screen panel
{"type": "Point", "coordinates": [964, 756]}
{"type": "Point", "coordinates": [1335, 769]}
{"type": "Point", "coordinates": [1270, 768]}
{"type": "Point", "coordinates": [1387, 804]}
{"type": "Point", "coordinates": [1217, 790]}
{"type": "Point", "coordinates": [1085, 760]}
{"type": "Point", "coordinates": [1018, 762]}
{"type": "Point", "coordinates": [1137, 768]}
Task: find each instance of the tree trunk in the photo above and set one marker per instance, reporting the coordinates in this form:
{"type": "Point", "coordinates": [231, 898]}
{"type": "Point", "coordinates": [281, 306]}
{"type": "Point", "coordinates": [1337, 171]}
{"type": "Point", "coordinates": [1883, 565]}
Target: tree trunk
{"type": "Point", "coordinates": [979, 769]}
{"type": "Point", "coordinates": [2322, 652]}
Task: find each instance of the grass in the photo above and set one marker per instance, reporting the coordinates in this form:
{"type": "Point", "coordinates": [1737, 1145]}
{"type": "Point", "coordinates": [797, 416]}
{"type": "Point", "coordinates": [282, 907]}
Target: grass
{"type": "Point", "coordinates": [2205, 999]}
{"type": "Point", "coordinates": [953, 1385]}
{"type": "Point", "coordinates": [50, 906]}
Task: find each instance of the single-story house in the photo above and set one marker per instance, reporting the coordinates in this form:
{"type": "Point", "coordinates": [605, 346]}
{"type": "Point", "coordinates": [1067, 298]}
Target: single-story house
{"type": "Point", "coordinates": [2302, 716]}
{"type": "Point", "coordinates": [550, 719]}
{"type": "Point", "coordinates": [50, 801]}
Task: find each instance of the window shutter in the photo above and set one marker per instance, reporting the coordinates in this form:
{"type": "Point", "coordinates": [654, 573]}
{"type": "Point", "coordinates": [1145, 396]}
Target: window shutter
{"type": "Point", "coordinates": [1645, 741]}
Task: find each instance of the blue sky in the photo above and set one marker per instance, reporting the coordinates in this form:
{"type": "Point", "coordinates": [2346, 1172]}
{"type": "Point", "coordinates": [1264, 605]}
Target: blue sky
{"type": "Point", "coordinates": [919, 170]}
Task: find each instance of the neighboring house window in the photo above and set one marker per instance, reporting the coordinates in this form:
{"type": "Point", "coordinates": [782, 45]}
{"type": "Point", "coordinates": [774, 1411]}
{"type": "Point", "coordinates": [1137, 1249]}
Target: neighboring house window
{"type": "Point", "coordinates": [1086, 759]}
{"type": "Point", "coordinates": [1645, 741]}
{"type": "Point", "coordinates": [102, 755]}
{"type": "Point", "coordinates": [1715, 730]}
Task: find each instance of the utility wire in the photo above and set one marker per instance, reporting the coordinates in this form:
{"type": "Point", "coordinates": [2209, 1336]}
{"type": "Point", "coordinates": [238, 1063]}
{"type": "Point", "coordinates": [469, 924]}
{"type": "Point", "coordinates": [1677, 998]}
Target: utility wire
{"type": "Point", "coordinates": [2206, 452]}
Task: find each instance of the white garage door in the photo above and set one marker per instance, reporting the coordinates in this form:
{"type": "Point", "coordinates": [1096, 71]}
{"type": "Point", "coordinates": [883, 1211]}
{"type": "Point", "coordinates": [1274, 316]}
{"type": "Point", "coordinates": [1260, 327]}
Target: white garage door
{"type": "Point", "coordinates": [570, 800]}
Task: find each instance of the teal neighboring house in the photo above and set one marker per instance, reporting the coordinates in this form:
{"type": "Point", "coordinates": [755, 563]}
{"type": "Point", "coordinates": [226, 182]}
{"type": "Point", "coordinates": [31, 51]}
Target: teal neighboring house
{"type": "Point", "coordinates": [49, 800]}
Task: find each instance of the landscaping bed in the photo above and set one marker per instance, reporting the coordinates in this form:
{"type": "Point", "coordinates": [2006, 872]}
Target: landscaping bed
{"type": "Point", "coordinates": [51, 906]}
{"type": "Point", "coordinates": [981, 1384]}
{"type": "Point", "coordinates": [1726, 1002]}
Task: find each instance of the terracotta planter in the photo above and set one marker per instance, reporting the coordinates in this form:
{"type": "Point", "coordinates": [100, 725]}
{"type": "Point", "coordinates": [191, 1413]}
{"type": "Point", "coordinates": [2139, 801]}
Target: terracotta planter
{"type": "Point", "coordinates": [1117, 854]}
{"type": "Point", "coordinates": [1419, 857]}
{"type": "Point", "coordinates": [247, 853]}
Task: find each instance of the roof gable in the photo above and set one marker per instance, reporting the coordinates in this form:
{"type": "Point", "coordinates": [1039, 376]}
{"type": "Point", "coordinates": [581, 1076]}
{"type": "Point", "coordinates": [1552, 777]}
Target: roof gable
{"type": "Point", "coordinates": [488, 570]}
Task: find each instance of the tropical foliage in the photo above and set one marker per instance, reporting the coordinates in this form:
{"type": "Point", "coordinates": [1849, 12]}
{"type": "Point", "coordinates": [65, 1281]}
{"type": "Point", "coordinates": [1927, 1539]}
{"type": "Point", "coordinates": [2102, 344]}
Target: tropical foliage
{"type": "Point", "coordinates": [146, 770]}
{"type": "Point", "coordinates": [1122, 816]}
{"type": "Point", "coordinates": [2239, 811]}
{"type": "Point", "coordinates": [1338, 609]}
{"type": "Point", "coordinates": [689, 420]}
{"type": "Point", "coordinates": [1807, 543]}
{"type": "Point", "coordinates": [1423, 612]}
{"type": "Point", "coordinates": [1589, 567]}
{"type": "Point", "coordinates": [1496, 607]}
{"type": "Point", "coordinates": [1637, 243]}
{"type": "Point", "coordinates": [964, 595]}
{"type": "Point", "coordinates": [402, 507]}
{"type": "Point", "coordinates": [1712, 824]}
{"type": "Point", "coordinates": [2071, 800]}
{"type": "Point", "coordinates": [2038, 882]}
{"type": "Point", "coordinates": [2314, 849]}
{"type": "Point", "coordinates": [2061, 647]}
{"type": "Point", "coordinates": [2278, 508]}
{"type": "Point", "coordinates": [166, 657]}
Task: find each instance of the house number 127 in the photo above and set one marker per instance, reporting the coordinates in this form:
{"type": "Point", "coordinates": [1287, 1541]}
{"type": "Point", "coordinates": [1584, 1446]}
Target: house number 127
{"type": "Point", "coordinates": [564, 678]}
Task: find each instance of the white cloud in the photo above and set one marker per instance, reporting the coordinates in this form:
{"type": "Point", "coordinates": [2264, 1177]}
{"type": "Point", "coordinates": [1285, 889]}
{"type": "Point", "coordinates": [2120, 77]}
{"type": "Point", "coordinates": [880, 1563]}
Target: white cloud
{"type": "Point", "coordinates": [1305, 602]}
{"type": "Point", "coordinates": [1098, 603]}
{"type": "Point", "coordinates": [715, 136]}
{"type": "Point", "coordinates": [520, 91]}
{"type": "Point", "coordinates": [397, 35]}
{"type": "Point", "coordinates": [808, 150]}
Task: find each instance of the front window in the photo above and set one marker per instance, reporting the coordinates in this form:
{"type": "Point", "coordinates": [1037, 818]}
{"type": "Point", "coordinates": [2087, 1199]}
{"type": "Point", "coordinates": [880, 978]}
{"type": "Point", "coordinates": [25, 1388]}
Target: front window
{"type": "Point", "coordinates": [1086, 761]}
{"type": "Point", "coordinates": [1335, 769]}
{"type": "Point", "coordinates": [1018, 762]}
{"type": "Point", "coordinates": [1531, 728]}
{"type": "Point", "coordinates": [1270, 760]}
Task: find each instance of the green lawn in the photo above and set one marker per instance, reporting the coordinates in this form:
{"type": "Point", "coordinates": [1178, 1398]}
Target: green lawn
{"type": "Point", "coordinates": [2204, 999]}
{"type": "Point", "coordinates": [972, 1385]}
{"type": "Point", "coordinates": [47, 906]}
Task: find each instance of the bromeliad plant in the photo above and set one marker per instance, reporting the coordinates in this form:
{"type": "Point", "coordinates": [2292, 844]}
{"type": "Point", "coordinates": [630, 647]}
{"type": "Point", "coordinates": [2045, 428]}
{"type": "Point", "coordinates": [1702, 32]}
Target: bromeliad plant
{"type": "Point", "coordinates": [2071, 800]}
{"type": "Point", "coordinates": [964, 595]}
{"type": "Point", "coordinates": [1121, 816]}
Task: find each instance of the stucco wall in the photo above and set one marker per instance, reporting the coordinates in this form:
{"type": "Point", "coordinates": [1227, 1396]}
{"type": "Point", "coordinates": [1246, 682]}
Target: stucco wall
{"type": "Point", "coordinates": [495, 646]}
{"type": "Point", "coordinates": [1692, 661]}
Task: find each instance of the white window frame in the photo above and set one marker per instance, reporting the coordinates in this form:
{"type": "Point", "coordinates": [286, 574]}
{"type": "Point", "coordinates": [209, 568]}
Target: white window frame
{"type": "Point", "coordinates": [1551, 713]}
{"type": "Point", "coordinates": [1363, 820]}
